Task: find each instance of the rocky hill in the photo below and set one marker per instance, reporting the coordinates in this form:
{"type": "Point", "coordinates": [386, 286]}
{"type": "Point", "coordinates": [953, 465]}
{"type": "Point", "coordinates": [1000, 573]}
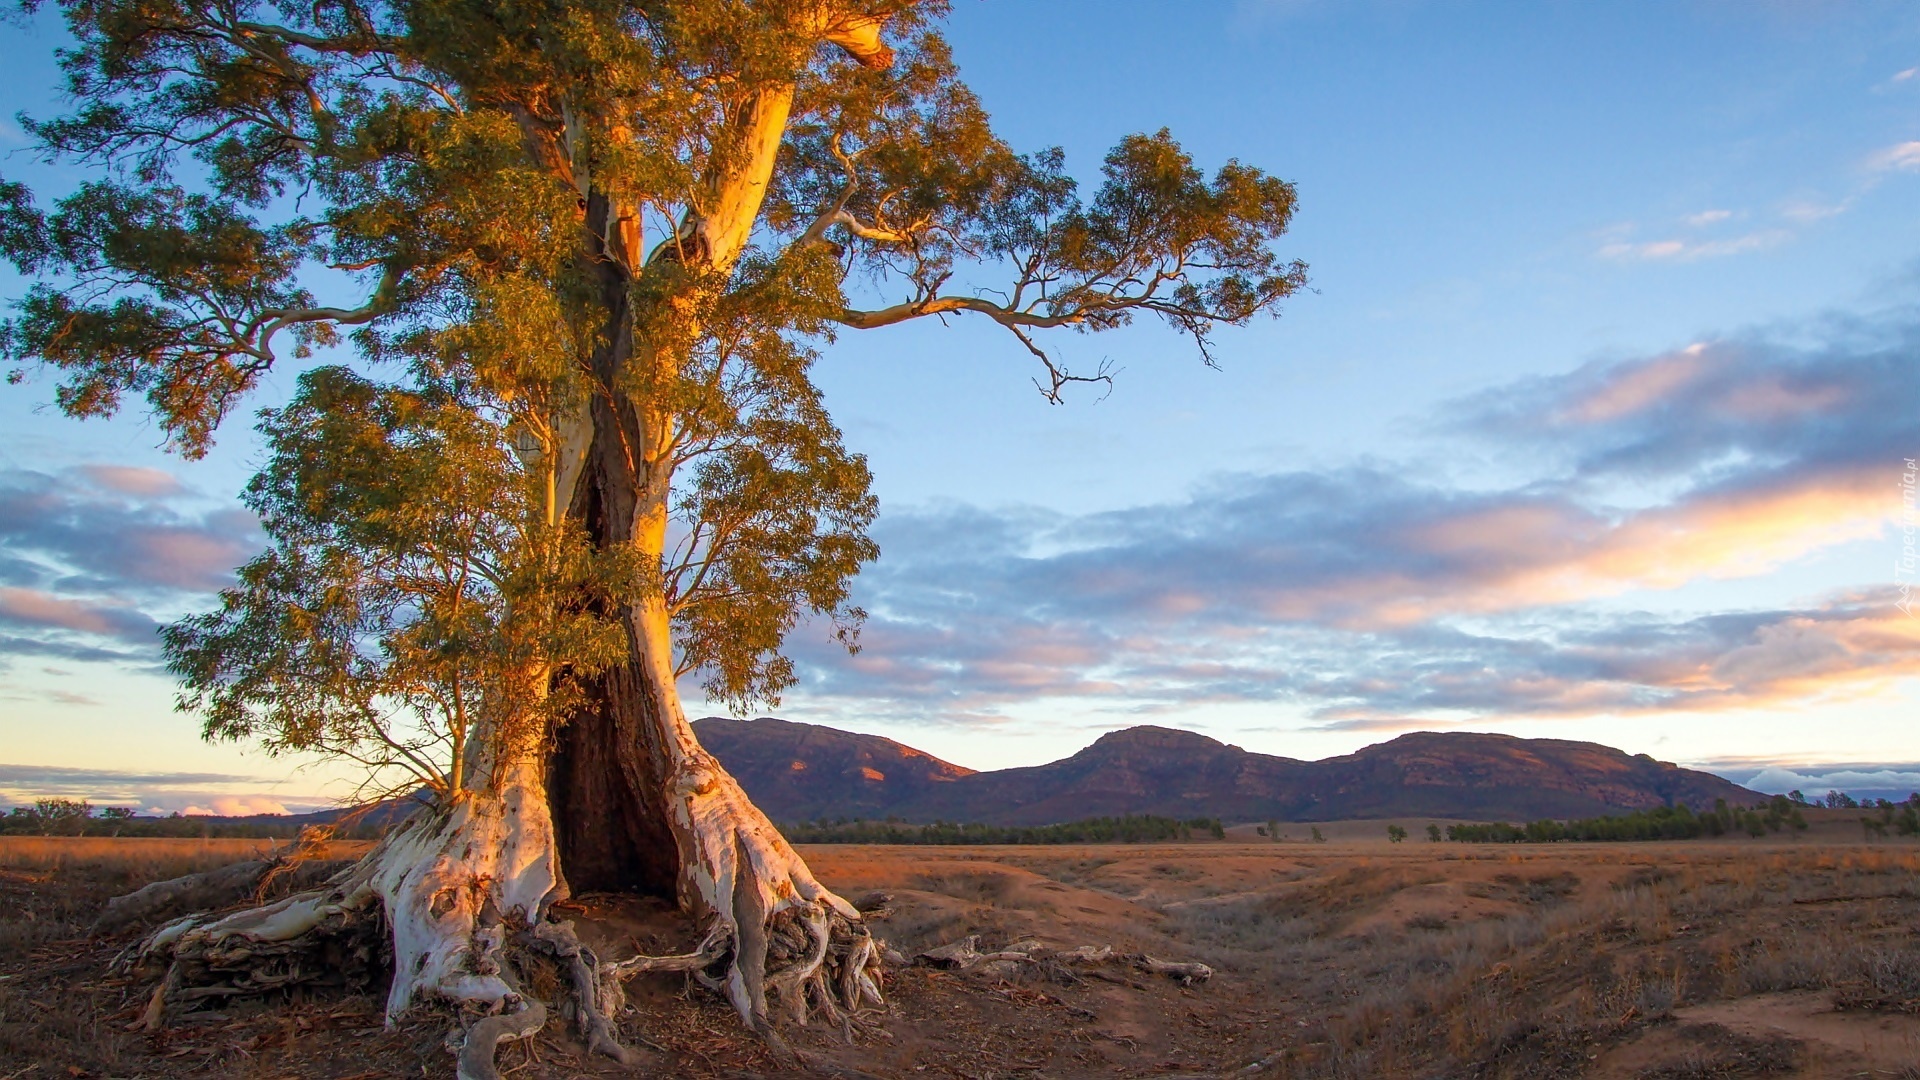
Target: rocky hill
{"type": "Point", "coordinates": [801, 772]}
{"type": "Point", "coordinates": [807, 771]}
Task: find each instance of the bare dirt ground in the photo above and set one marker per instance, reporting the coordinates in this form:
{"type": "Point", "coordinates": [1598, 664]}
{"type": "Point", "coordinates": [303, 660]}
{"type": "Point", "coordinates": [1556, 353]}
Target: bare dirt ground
{"type": "Point", "coordinates": [1351, 958]}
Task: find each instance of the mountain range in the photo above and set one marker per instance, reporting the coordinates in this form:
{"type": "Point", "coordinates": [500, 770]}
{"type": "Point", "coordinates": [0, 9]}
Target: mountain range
{"type": "Point", "coordinates": [804, 772]}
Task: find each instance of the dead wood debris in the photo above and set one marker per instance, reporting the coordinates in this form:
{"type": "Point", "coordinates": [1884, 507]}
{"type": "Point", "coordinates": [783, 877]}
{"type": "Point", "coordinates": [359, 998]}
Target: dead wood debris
{"type": "Point", "coordinates": [965, 955]}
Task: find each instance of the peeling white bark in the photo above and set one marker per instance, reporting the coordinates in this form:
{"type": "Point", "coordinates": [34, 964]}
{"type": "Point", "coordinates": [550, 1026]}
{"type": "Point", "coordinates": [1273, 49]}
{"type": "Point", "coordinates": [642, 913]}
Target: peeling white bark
{"type": "Point", "coordinates": [737, 870]}
{"type": "Point", "coordinates": [459, 884]}
{"type": "Point", "coordinates": [454, 882]}
{"type": "Point", "coordinates": [456, 886]}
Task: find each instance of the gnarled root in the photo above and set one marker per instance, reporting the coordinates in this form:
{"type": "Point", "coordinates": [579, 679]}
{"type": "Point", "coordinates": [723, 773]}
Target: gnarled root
{"type": "Point", "coordinates": [813, 963]}
{"type": "Point", "coordinates": [434, 903]}
{"type": "Point", "coordinates": [292, 871]}
{"type": "Point", "coordinates": [453, 898]}
{"type": "Point", "coordinates": [597, 999]}
{"type": "Point", "coordinates": [827, 963]}
{"type": "Point", "coordinates": [787, 937]}
{"type": "Point", "coordinates": [329, 936]}
{"type": "Point", "coordinates": [474, 1059]}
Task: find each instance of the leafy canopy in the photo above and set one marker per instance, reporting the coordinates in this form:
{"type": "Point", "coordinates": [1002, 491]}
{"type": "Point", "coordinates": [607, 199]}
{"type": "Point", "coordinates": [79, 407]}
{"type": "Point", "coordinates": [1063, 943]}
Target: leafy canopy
{"type": "Point", "coordinates": [413, 596]}
{"type": "Point", "coordinates": [649, 212]}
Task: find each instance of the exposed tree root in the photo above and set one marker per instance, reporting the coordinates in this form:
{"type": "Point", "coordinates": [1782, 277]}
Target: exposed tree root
{"type": "Point", "coordinates": [454, 904]}
{"type": "Point", "coordinates": [792, 941]}
{"type": "Point", "coordinates": [596, 1000]}
{"type": "Point", "coordinates": [329, 936]}
{"type": "Point", "coordinates": [475, 1058]}
{"type": "Point", "coordinates": [293, 871]}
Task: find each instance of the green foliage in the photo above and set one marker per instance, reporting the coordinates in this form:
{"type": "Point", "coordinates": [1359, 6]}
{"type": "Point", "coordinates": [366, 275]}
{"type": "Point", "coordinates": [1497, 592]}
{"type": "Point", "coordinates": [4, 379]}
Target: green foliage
{"type": "Point", "coordinates": [122, 821]}
{"type": "Point", "coordinates": [1433, 833]}
{"type": "Point", "coordinates": [1661, 823]}
{"type": "Point", "coordinates": [49, 817]}
{"type": "Point", "coordinates": [413, 593]}
{"type": "Point", "coordinates": [1131, 829]}
{"type": "Point", "coordinates": [1903, 818]}
{"type": "Point", "coordinates": [1395, 834]}
{"type": "Point", "coordinates": [773, 511]}
{"type": "Point", "coordinates": [1317, 838]}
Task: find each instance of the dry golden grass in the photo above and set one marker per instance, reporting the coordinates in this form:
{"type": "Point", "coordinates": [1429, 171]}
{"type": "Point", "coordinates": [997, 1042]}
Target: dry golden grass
{"type": "Point", "coordinates": [1537, 962]}
{"type": "Point", "coordinates": [151, 858]}
{"type": "Point", "coordinates": [1670, 961]}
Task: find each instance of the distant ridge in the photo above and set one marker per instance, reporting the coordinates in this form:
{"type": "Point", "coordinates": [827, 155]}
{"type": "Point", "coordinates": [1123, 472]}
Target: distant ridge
{"type": "Point", "coordinates": [804, 772]}
{"type": "Point", "coordinates": [810, 771]}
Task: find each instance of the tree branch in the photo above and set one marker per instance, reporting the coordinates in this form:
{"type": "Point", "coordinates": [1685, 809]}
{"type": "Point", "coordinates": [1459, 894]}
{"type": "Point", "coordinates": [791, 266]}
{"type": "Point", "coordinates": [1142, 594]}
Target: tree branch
{"type": "Point", "coordinates": [272, 322]}
{"type": "Point", "coordinates": [941, 305]}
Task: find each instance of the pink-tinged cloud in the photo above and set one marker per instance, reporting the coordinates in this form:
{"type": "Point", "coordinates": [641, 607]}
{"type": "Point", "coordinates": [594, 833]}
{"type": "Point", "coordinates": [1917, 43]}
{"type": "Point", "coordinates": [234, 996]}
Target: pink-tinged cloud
{"type": "Point", "coordinates": [1819, 656]}
{"type": "Point", "coordinates": [133, 480]}
{"type": "Point", "coordinates": [1846, 649]}
{"type": "Point", "coordinates": [1710, 537]}
{"type": "Point", "coordinates": [1497, 556]}
{"type": "Point", "coordinates": [1375, 596]}
{"type": "Point", "coordinates": [1633, 388]}
{"type": "Point", "coordinates": [86, 537]}
{"type": "Point", "coordinates": [38, 609]}
{"type": "Point", "coordinates": [185, 558]}
{"type": "Point", "coordinates": [1706, 377]}
{"type": "Point", "coordinates": [237, 806]}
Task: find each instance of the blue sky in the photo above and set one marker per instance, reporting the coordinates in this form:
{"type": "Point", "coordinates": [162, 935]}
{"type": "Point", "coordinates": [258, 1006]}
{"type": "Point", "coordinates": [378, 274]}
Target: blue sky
{"type": "Point", "coordinates": [1592, 428]}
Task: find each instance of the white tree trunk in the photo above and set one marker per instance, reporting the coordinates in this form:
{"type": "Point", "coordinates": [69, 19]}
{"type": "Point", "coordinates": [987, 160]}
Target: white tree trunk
{"type": "Point", "coordinates": [737, 870]}
{"type": "Point", "coordinates": [464, 884]}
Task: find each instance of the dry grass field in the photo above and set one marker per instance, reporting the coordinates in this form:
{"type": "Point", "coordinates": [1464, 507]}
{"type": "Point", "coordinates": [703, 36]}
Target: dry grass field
{"type": "Point", "coordinates": [1353, 958]}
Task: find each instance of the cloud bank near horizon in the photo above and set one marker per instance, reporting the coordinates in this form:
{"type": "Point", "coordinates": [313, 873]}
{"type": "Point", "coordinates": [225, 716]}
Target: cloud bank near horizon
{"type": "Point", "coordinates": [1384, 597]}
{"type": "Point", "coordinates": [156, 792]}
{"type": "Point", "coordinates": [1371, 596]}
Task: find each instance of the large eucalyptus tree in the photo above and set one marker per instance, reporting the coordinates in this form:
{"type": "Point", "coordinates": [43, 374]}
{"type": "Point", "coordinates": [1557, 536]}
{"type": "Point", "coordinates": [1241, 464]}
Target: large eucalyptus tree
{"type": "Point", "coordinates": [612, 232]}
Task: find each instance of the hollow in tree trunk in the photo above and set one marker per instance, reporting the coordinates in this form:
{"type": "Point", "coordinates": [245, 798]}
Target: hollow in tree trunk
{"type": "Point", "coordinates": [456, 899]}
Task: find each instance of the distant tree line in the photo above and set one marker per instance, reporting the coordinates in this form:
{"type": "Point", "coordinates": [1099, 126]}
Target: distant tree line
{"type": "Point", "coordinates": [1129, 829]}
{"type": "Point", "coordinates": [1782, 813]}
{"type": "Point", "coordinates": [1903, 818]}
{"type": "Point", "coordinates": [72, 817]}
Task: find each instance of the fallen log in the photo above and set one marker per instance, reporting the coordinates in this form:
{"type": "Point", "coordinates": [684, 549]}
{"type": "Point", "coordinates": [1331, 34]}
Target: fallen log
{"type": "Point", "coordinates": [213, 890]}
{"type": "Point", "coordinates": [965, 955]}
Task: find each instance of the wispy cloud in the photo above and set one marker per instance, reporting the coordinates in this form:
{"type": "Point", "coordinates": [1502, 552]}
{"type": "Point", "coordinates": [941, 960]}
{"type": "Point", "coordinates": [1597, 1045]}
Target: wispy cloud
{"type": "Point", "coordinates": [1707, 217]}
{"type": "Point", "coordinates": [133, 480]}
{"type": "Point", "coordinates": [1805, 212]}
{"type": "Point", "coordinates": [1681, 250]}
{"type": "Point", "coordinates": [33, 609]}
{"type": "Point", "coordinates": [1903, 156]}
{"type": "Point", "coordinates": [82, 528]}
